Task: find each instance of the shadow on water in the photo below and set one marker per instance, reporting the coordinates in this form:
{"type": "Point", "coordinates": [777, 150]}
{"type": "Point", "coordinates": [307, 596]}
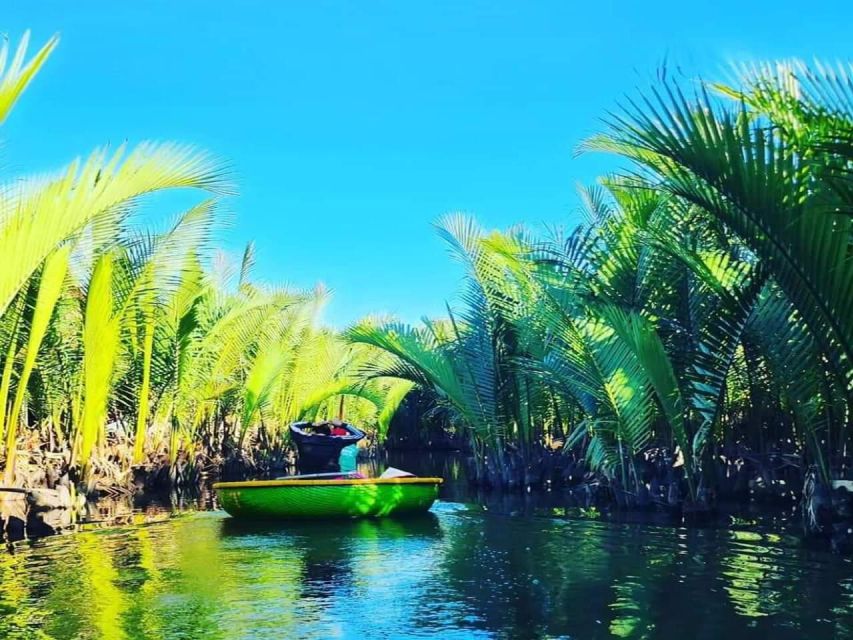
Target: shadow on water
{"type": "Point", "coordinates": [331, 533]}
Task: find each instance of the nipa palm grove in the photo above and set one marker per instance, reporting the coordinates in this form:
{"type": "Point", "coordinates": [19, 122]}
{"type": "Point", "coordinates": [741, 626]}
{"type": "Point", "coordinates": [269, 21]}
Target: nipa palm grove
{"type": "Point", "coordinates": [689, 342]}
{"type": "Point", "coordinates": [127, 350]}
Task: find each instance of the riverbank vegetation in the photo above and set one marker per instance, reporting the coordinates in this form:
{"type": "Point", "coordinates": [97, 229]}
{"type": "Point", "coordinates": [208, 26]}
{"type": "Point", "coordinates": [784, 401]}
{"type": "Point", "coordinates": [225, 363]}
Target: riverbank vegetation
{"type": "Point", "coordinates": [136, 355]}
{"type": "Point", "coordinates": [692, 338]}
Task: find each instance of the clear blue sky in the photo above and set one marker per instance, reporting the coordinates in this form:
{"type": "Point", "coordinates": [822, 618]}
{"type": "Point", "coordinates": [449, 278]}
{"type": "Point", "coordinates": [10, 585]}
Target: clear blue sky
{"type": "Point", "coordinates": [352, 126]}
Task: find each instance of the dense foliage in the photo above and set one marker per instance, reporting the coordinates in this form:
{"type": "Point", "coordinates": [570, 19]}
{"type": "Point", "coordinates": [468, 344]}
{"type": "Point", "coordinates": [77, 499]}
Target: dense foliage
{"type": "Point", "coordinates": [692, 337]}
{"type": "Point", "coordinates": [120, 345]}
{"type": "Point", "coordinates": [695, 334]}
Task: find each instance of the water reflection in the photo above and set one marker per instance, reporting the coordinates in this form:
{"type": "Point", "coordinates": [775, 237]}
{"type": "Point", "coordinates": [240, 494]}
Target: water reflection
{"type": "Point", "coordinates": [496, 566]}
{"type": "Point", "coordinates": [459, 572]}
{"type": "Point", "coordinates": [18, 521]}
{"type": "Point", "coordinates": [334, 555]}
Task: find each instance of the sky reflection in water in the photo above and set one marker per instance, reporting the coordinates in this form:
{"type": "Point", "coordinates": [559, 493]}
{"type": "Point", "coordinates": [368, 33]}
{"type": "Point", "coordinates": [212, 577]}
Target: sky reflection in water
{"type": "Point", "coordinates": [458, 572]}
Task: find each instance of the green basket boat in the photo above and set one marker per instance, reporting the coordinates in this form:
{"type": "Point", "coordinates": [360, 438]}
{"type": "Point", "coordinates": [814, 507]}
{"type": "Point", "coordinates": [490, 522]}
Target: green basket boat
{"type": "Point", "coordinates": [301, 499]}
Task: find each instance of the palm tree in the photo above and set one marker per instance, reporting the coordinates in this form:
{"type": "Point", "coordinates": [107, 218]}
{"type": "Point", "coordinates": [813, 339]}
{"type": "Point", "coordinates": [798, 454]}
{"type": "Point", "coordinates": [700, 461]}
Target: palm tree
{"type": "Point", "coordinates": [772, 167]}
{"type": "Point", "coordinates": [81, 210]}
{"type": "Point", "coordinates": [146, 337]}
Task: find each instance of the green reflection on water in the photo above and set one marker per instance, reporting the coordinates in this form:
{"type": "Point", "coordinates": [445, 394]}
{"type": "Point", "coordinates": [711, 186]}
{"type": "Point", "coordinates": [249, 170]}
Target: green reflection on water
{"type": "Point", "coordinates": [456, 573]}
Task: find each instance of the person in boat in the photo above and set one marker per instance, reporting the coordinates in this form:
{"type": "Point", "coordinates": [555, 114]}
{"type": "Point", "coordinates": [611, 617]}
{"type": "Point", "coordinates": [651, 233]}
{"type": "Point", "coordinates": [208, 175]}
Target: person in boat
{"type": "Point", "coordinates": [320, 429]}
{"type": "Point", "coordinates": [333, 428]}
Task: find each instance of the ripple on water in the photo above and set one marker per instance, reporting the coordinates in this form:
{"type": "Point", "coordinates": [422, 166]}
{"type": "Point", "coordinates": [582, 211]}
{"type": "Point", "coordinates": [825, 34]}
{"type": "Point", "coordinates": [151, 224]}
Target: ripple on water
{"type": "Point", "coordinates": [457, 572]}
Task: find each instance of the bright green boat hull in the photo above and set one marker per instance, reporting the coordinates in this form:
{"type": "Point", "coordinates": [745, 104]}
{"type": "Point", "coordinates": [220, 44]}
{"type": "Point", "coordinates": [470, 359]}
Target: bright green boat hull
{"type": "Point", "coordinates": [318, 499]}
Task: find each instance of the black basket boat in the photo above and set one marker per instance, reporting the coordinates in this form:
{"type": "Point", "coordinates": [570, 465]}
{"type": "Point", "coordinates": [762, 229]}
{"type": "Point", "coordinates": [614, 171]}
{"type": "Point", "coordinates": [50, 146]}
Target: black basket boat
{"type": "Point", "coordinates": [318, 449]}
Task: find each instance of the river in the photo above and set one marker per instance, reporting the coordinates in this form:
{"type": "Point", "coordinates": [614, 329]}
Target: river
{"type": "Point", "coordinates": [468, 569]}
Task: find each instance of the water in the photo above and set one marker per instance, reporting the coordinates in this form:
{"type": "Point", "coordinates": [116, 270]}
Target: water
{"type": "Point", "coordinates": [462, 571]}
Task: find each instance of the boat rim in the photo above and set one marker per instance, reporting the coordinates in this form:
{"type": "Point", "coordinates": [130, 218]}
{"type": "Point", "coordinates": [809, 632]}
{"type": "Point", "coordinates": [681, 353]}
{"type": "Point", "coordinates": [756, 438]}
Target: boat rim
{"type": "Point", "coordinates": [262, 484]}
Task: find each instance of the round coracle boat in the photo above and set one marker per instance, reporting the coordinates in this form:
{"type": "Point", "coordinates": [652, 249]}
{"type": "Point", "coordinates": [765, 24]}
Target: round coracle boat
{"type": "Point", "coordinates": [324, 491]}
{"type": "Point", "coordinates": [343, 497]}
